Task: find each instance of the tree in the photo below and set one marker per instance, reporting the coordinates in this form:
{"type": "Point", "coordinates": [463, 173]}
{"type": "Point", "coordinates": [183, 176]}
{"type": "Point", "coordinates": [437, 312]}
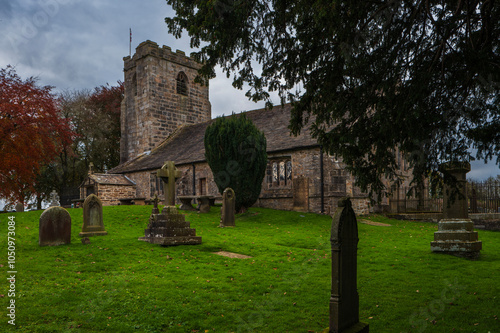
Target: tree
{"type": "Point", "coordinates": [371, 76]}
{"type": "Point", "coordinates": [236, 153]}
{"type": "Point", "coordinates": [95, 117]}
{"type": "Point", "coordinates": [32, 133]}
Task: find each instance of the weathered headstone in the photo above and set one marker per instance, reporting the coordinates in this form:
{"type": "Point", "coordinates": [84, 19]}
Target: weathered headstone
{"type": "Point", "coordinates": [93, 224]}
{"type": "Point", "coordinates": [228, 207]}
{"type": "Point", "coordinates": [344, 300]}
{"type": "Point", "coordinates": [170, 227]}
{"type": "Point", "coordinates": [54, 227]}
{"type": "Point", "coordinates": [456, 235]}
{"type": "Point", "coordinates": [54, 199]}
{"type": "Point", "coordinates": [169, 173]}
{"type": "Point", "coordinates": [19, 207]}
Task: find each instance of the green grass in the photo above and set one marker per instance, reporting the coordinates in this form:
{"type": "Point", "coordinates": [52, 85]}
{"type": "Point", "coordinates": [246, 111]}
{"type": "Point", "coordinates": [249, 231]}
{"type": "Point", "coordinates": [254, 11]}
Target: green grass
{"type": "Point", "coordinates": [120, 284]}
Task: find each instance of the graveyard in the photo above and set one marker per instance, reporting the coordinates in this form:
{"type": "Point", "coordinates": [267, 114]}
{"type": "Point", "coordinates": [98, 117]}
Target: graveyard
{"type": "Point", "coordinates": [276, 277]}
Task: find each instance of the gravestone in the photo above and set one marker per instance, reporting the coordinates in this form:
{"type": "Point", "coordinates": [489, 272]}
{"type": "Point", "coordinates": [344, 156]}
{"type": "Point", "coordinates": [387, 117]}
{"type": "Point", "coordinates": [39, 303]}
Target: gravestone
{"type": "Point", "coordinates": [54, 199]}
{"type": "Point", "coordinates": [344, 300]}
{"type": "Point", "coordinates": [169, 174]}
{"type": "Point", "coordinates": [54, 227]}
{"type": "Point", "coordinates": [19, 207]}
{"type": "Point", "coordinates": [456, 235]}
{"type": "Point", "coordinates": [93, 224]}
{"type": "Point", "coordinates": [170, 227]}
{"type": "Point", "coordinates": [228, 207]}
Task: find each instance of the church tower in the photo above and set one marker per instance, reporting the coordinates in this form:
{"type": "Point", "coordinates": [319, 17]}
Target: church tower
{"type": "Point", "coordinates": [160, 96]}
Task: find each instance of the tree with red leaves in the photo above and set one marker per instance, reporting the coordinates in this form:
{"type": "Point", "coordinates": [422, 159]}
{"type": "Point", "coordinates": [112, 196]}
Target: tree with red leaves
{"type": "Point", "coordinates": [32, 133]}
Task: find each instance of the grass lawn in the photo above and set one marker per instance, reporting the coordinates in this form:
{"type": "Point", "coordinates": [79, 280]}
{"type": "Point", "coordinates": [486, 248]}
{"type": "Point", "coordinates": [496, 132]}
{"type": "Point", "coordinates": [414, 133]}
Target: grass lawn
{"type": "Point", "coordinates": [120, 284]}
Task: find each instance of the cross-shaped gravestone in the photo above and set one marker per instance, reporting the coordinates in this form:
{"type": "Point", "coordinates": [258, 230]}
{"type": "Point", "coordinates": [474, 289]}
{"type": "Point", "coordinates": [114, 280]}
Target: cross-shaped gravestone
{"type": "Point", "coordinates": [169, 174]}
{"type": "Point", "coordinates": [54, 199]}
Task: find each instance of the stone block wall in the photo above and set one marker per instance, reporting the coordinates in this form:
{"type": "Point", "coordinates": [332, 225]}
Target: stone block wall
{"type": "Point", "coordinates": [152, 107]}
{"type": "Point", "coordinates": [110, 194]}
{"type": "Point", "coordinates": [301, 193]}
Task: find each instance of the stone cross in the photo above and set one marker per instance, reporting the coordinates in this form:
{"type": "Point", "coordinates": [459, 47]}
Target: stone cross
{"type": "Point", "coordinates": [344, 300]}
{"type": "Point", "coordinates": [155, 205]}
{"type": "Point", "coordinates": [54, 199]}
{"type": "Point", "coordinates": [169, 174]}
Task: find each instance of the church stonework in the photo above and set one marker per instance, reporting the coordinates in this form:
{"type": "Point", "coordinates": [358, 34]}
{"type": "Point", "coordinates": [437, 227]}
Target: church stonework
{"type": "Point", "coordinates": [160, 96]}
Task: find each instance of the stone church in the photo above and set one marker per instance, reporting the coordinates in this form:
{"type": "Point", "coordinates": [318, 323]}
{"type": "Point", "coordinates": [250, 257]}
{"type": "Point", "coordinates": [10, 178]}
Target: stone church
{"type": "Point", "coordinates": [164, 115]}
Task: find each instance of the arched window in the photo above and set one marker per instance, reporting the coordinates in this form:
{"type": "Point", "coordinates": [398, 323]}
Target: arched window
{"type": "Point", "coordinates": [182, 84]}
{"type": "Point", "coordinates": [279, 173]}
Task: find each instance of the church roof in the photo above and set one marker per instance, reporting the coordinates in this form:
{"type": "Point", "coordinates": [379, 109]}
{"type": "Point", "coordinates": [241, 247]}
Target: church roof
{"type": "Point", "coordinates": [185, 145]}
{"type": "Point", "coordinates": [111, 179]}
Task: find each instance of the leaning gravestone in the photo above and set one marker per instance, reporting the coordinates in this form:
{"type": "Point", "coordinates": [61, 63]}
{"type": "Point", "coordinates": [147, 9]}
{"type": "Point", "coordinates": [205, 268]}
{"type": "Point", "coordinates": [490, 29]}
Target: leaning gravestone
{"type": "Point", "coordinates": [228, 207]}
{"type": "Point", "coordinates": [93, 224]}
{"type": "Point", "coordinates": [54, 227]}
{"type": "Point", "coordinates": [456, 235]}
{"type": "Point", "coordinates": [170, 227]}
{"type": "Point", "coordinates": [344, 301]}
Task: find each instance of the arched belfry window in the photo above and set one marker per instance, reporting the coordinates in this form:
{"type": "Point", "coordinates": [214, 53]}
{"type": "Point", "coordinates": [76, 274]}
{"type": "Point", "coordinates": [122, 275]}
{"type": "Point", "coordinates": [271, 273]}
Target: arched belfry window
{"type": "Point", "coordinates": [182, 84]}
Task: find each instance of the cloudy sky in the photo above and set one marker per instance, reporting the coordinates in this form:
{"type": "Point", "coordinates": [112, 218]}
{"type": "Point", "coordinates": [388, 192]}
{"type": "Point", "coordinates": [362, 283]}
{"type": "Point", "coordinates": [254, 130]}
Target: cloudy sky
{"type": "Point", "coordinates": [77, 44]}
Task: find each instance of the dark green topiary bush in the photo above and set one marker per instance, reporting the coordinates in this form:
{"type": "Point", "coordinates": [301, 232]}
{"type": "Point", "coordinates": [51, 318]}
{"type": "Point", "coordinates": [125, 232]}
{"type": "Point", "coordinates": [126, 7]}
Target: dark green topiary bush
{"type": "Point", "coordinates": [236, 153]}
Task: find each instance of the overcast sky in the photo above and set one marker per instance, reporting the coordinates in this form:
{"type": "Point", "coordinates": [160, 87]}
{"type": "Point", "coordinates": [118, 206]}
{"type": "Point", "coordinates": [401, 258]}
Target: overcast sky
{"type": "Point", "coordinates": [77, 44]}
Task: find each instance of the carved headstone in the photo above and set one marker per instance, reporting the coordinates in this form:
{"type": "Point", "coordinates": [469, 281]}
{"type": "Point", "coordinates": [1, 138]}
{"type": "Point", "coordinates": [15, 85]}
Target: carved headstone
{"type": "Point", "coordinates": [228, 207]}
{"type": "Point", "coordinates": [54, 227]}
{"type": "Point", "coordinates": [93, 224]}
{"type": "Point", "coordinates": [456, 235]}
{"type": "Point", "coordinates": [168, 174]}
{"type": "Point", "coordinates": [54, 199]}
{"type": "Point", "coordinates": [344, 301]}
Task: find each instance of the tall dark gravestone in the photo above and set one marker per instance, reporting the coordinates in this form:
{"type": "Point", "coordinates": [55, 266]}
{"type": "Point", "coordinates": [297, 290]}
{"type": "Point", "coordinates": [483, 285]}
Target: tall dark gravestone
{"type": "Point", "coordinates": [228, 208]}
{"type": "Point", "coordinates": [54, 227]}
{"type": "Point", "coordinates": [344, 300]}
{"type": "Point", "coordinates": [456, 235]}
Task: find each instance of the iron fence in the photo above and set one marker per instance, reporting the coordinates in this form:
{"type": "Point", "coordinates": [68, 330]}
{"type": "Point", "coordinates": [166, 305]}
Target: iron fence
{"type": "Point", "coordinates": [484, 197]}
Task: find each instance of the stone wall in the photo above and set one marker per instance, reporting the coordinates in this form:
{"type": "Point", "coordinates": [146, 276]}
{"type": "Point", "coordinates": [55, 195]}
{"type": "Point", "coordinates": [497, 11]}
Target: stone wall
{"type": "Point", "coordinates": [110, 194]}
{"type": "Point", "coordinates": [301, 192]}
{"type": "Point", "coordinates": [152, 107]}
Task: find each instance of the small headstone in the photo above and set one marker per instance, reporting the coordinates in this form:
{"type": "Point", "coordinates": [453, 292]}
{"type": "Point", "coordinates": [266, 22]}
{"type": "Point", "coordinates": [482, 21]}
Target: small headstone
{"type": "Point", "coordinates": [54, 199]}
{"type": "Point", "coordinates": [19, 208]}
{"type": "Point", "coordinates": [344, 301]}
{"type": "Point", "coordinates": [54, 227]}
{"type": "Point", "coordinates": [156, 200]}
{"type": "Point", "coordinates": [85, 240]}
{"type": "Point", "coordinates": [93, 224]}
{"type": "Point", "coordinates": [228, 207]}
{"type": "Point", "coordinates": [456, 235]}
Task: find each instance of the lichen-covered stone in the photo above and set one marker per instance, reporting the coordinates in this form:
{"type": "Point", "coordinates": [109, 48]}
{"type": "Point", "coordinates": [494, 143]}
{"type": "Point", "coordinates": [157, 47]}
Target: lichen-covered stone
{"type": "Point", "coordinates": [54, 227]}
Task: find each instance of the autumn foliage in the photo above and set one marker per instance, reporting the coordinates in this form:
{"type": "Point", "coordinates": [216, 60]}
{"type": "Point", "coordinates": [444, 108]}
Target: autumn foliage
{"type": "Point", "coordinates": [32, 133]}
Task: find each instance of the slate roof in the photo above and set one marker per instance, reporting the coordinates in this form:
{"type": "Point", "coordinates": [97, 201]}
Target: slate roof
{"type": "Point", "coordinates": [185, 145]}
{"type": "Point", "coordinates": [111, 179]}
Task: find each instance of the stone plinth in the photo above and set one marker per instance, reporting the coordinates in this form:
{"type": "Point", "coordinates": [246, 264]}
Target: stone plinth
{"type": "Point", "coordinates": [170, 228]}
{"type": "Point", "coordinates": [456, 235]}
